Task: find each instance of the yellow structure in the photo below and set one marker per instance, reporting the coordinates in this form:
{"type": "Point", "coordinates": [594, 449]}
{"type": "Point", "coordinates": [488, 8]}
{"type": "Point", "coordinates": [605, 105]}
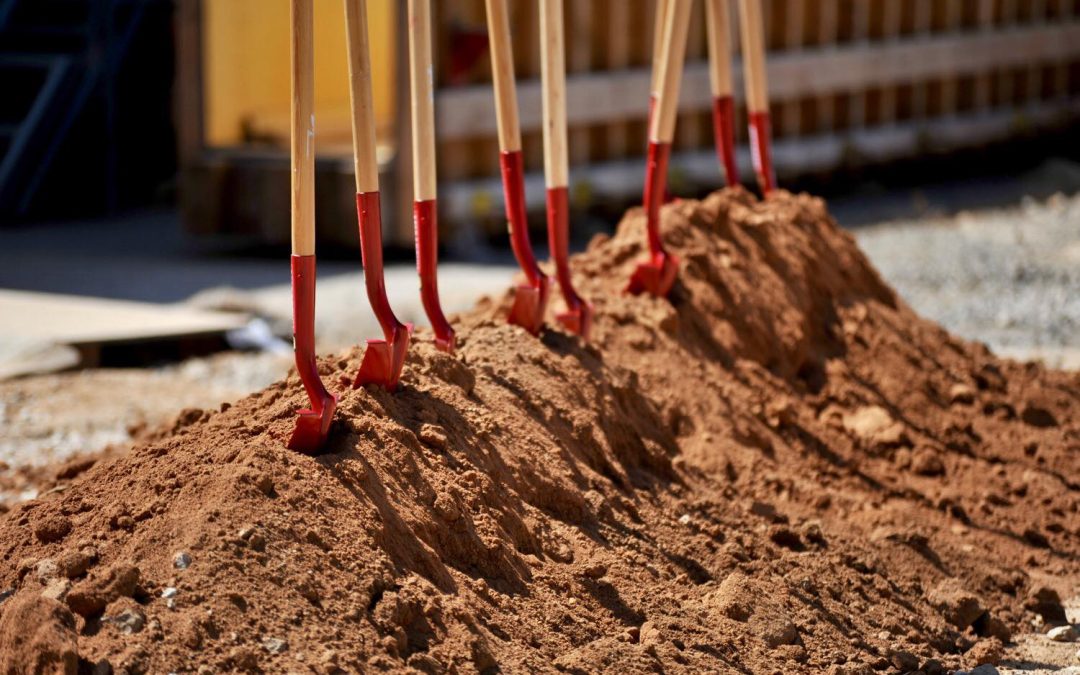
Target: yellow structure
{"type": "Point", "coordinates": [246, 71]}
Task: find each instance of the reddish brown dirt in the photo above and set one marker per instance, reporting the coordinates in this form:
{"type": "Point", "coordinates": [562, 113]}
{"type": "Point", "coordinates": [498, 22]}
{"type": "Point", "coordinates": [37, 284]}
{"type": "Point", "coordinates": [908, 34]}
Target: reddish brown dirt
{"type": "Point", "coordinates": [782, 470]}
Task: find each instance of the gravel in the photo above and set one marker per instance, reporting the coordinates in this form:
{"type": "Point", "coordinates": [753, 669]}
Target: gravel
{"type": "Point", "coordinates": [1008, 277]}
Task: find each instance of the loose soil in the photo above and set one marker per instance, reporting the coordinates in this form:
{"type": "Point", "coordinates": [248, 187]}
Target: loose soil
{"type": "Point", "coordinates": [783, 469]}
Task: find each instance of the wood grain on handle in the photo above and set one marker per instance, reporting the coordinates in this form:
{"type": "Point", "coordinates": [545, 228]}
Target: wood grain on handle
{"type": "Point", "coordinates": [553, 76]}
{"type": "Point", "coordinates": [671, 68]}
{"type": "Point", "coordinates": [658, 44]}
{"type": "Point", "coordinates": [753, 54]}
{"type": "Point", "coordinates": [718, 27]}
{"type": "Point", "coordinates": [502, 73]}
{"type": "Point", "coordinates": [302, 146]}
{"type": "Point", "coordinates": [422, 93]}
{"type": "Point", "coordinates": [363, 110]}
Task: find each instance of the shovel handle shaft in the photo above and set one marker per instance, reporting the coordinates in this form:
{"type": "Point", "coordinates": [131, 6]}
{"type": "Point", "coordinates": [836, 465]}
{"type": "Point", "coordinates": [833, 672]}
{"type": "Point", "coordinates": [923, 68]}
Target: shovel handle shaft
{"type": "Point", "coordinates": [502, 75]}
{"type": "Point", "coordinates": [553, 76]}
{"type": "Point", "coordinates": [752, 29]}
{"type": "Point", "coordinates": [363, 111]}
{"type": "Point", "coordinates": [660, 21]}
{"type": "Point", "coordinates": [676, 28]}
{"type": "Point", "coordinates": [302, 146]}
{"type": "Point", "coordinates": [718, 28]}
{"type": "Point", "coordinates": [422, 94]}
{"type": "Point", "coordinates": [724, 133]}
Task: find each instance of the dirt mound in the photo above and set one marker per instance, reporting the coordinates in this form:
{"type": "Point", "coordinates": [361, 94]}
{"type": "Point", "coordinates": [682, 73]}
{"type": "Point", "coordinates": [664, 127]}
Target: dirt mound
{"type": "Point", "coordinates": [782, 470]}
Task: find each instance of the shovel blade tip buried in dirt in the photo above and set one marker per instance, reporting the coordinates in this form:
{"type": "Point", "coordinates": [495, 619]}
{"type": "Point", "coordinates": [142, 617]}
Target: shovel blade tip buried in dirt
{"type": "Point", "coordinates": [530, 303]}
{"type": "Point", "coordinates": [384, 360]}
{"type": "Point", "coordinates": [313, 426]}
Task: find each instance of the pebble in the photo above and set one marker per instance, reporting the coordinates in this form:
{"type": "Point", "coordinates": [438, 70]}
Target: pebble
{"type": "Point", "coordinates": [181, 560]}
{"type": "Point", "coordinates": [129, 621]}
{"type": "Point", "coordinates": [1062, 634]}
{"type": "Point", "coordinates": [57, 590]}
{"type": "Point", "coordinates": [168, 592]}
{"type": "Point", "coordinates": [275, 645]}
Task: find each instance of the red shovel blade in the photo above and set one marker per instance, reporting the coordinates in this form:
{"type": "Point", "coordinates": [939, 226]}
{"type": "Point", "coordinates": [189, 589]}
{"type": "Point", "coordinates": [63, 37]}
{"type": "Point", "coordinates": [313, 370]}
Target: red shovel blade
{"type": "Point", "coordinates": [655, 277]}
{"type": "Point", "coordinates": [384, 360]}
{"type": "Point", "coordinates": [312, 423]}
{"type": "Point", "coordinates": [761, 150]}
{"type": "Point", "coordinates": [427, 262]}
{"type": "Point", "coordinates": [530, 301]}
{"type": "Point", "coordinates": [657, 274]}
{"type": "Point", "coordinates": [578, 315]}
{"type": "Point", "coordinates": [577, 320]}
{"type": "Point", "coordinates": [724, 132]}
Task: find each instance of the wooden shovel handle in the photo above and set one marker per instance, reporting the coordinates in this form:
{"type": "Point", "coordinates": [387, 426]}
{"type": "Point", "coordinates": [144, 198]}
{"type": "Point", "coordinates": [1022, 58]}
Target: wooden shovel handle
{"type": "Point", "coordinates": [753, 54]}
{"type": "Point", "coordinates": [363, 110]}
{"type": "Point", "coordinates": [502, 72]}
{"type": "Point", "coordinates": [718, 28]}
{"type": "Point", "coordinates": [553, 80]}
{"type": "Point", "coordinates": [676, 28]}
{"type": "Point", "coordinates": [658, 44]}
{"type": "Point", "coordinates": [422, 93]}
{"type": "Point", "coordinates": [302, 146]}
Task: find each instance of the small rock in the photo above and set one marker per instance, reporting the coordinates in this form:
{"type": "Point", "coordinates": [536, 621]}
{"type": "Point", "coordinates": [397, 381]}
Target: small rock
{"type": "Point", "coordinates": [181, 560]}
{"type": "Point", "coordinates": [984, 669]}
{"type": "Point", "coordinates": [684, 519]}
{"type": "Point", "coordinates": [168, 592]}
{"type": "Point", "coordinates": [875, 428]}
{"type": "Point", "coordinates": [927, 462]}
{"type": "Point", "coordinates": [432, 436]}
{"type": "Point", "coordinates": [989, 651]}
{"type": "Point", "coordinates": [595, 570]}
{"type": "Point", "coordinates": [257, 542]}
{"type": "Point", "coordinates": [275, 645]}
{"type": "Point", "coordinates": [52, 528]}
{"type": "Point", "coordinates": [46, 570]}
{"type": "Point", "coordinates": [776, 631]}
{"type": "Point", "coordinates": [57, 590]}
{"type": "Point", "coordinates": [1046, 602]}
{"type": "Point", "coordinates": [1062, 634]}
{"type": "Point", "coordinates": [649, 634]}
{"type": "Point", "coordinates": [129, 621]}
{"type": "Point", "coordinates": [73, 564]}
{"type": "Point", "coordinates": [446, 508]}
{"type": "Point", "coordinates": [932, 667]}
{"type": "Point", "coordinates": [904, 661]}
{"type": "Point", "coordinates": [961, 394]}
{"type": "Point", "coordinates": [958, 606]}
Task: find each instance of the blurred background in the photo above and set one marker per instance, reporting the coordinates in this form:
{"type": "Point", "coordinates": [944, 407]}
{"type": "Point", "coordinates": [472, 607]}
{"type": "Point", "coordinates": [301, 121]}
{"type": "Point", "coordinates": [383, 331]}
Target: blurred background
{"type": "Point", "coordinates": [144, 215]}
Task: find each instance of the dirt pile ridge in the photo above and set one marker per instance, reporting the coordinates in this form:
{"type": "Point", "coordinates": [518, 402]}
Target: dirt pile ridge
{"type": "Point", "coordinates": [782, 470]}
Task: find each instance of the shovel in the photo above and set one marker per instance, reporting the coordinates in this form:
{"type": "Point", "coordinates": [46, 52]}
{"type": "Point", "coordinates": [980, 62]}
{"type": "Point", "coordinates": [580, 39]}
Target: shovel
{"type": "Point", "coordinates": [422, 92]}
{"type": "Point", "coordinates": [383, 359]}
{"type": "Point", "coordinates": [657, 274]}
{"type": "Point", "coordinates": [578, 315]}
{"type": "Point", "coordinates": [757, 92]}
{"type": "Point", "coordinates": [312, 424]}
{"type": "Point", "coordinates": [530, 300]}
{"type": "Point", "coordinates": [718, 27]}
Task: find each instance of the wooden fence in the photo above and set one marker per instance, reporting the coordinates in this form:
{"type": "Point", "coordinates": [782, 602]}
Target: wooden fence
{"type": "Point", "coordinates": [852, 82]}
